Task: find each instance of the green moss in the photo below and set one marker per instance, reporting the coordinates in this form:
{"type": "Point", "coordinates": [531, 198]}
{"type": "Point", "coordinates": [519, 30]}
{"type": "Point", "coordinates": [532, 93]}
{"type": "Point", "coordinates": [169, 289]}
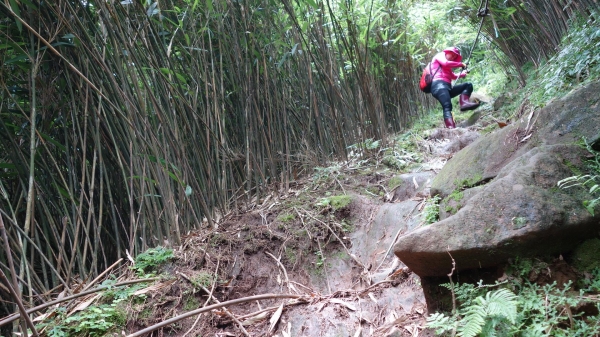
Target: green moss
{"type": "Point", "coordinates": [573, 168]}
{"type": "Point", "coordinates": [346, 226]}
{"type": "Point", "coordinates": [286, 217]}
{"type": "Point", "coordinates": [291, 256]}
{"type": "Point", "coordinates": [335, 202]}
{"type": "Point", "coordinates": [191, 303]}
{"type": "Point", "coordinates": [585, 257]}
{"type": "Point", "coordinates": [394, 182]}
{"type": "Point", "coordinates": [203, 279]}
{"type": "Point", "coordinates": [462, 184]}
{"type": "Point", "coordinates": [456, 195]}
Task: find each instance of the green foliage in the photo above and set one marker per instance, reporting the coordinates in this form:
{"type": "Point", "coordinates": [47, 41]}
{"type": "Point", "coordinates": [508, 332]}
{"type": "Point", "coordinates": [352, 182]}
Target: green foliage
{"type": "Point", "coordinates": [97, 320]}
{"type": "Point", "coordinates": [529, 309]}
{"type": "Point", "coordinates": [320, 260]}
{"type": "Point", "coordinates": [151, 259]}
{"type": "Point", "coordinates": [519, 222]}
{"type": "Point", "coordinates": [485, 314]}
{"type": "Point", "coordinates": [578, 61]}
{"type": "Point", "coordinates": [101, 319]}
{"type": "Point", "coordinates": [431, 211]}
{"type": "Point", "coordinates": [592, 284]}
{"type": "Point", "coordinates": [335, 202]}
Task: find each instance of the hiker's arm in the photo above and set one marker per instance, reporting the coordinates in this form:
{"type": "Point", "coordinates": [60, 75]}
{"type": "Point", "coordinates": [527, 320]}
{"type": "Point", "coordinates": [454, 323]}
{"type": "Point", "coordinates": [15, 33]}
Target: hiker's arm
{"type": "Point", "coordinates": [452, 64]}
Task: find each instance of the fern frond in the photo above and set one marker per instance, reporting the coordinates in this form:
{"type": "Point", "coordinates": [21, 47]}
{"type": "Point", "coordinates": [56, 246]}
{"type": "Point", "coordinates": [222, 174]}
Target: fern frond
{"type": "Point", "coordinates": [472, 323]}
{"type": "Point", "coordinates": [502, 302]}
{"type": "Point", "coordinates": [440, 322]}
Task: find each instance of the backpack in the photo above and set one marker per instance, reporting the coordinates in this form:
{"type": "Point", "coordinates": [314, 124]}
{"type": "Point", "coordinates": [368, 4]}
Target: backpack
{"type": "Point", "coordinates": [427, 78]}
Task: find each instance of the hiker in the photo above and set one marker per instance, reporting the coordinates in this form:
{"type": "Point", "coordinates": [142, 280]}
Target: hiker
{"type": "Point", "coordinates": [441, 86]}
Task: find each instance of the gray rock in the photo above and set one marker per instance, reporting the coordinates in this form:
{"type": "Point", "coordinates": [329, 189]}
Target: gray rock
{"type": "Point", "coordinates": [407, 188]}
{"type": "Point", "coordinates": [516, 210]}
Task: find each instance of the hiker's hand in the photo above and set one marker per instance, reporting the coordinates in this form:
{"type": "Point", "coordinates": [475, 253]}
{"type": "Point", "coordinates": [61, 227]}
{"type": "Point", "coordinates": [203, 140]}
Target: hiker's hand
{"type": "Point", "coordinates": [462, 65]}
{"type": "Point", "coordinates": [463, 73]}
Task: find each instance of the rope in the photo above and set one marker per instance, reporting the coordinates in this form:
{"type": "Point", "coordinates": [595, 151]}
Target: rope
{"type": "Point", "coordinates": [482, 12]}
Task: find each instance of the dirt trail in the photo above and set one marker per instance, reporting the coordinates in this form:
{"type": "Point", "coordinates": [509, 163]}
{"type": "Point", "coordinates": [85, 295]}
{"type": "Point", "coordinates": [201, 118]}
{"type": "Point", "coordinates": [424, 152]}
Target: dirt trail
{"type": "Point", "coordinates": [339, 259]}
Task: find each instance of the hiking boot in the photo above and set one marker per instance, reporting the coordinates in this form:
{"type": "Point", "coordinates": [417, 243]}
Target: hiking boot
{"type": "Point", "coordinates": [450, 123]}
{"type": "Point", "coordinates": [465, 104]}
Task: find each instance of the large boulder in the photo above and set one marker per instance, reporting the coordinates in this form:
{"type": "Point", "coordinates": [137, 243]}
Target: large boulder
{"type": "Point", "coordinates": [514, 207]}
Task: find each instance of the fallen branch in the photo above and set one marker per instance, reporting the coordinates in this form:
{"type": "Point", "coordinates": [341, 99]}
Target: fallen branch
{"type": "Point", "coordinates": [210, 307]}
{"type": "Point", "coordinates": [287, 279]}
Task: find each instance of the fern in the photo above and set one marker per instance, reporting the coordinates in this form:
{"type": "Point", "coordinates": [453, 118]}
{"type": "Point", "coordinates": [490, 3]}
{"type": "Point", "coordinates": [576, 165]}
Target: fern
{"type": "Point", "coordinates": [498, 304]}
{"type": "Point", "coordinates": [440, 323]}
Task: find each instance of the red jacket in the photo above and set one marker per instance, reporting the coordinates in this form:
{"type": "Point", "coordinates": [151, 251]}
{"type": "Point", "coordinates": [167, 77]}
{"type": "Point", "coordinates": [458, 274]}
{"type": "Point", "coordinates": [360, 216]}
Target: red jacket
{"type": "Point", "coordinates": [445, 73]}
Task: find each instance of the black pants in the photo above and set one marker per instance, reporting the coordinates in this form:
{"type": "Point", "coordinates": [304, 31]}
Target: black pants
{"type": "Point", "coordinates": [443, 92]}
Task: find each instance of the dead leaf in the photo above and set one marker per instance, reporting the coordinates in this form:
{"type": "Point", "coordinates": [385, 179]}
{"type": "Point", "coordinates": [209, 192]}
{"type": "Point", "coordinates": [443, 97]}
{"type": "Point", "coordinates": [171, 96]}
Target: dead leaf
{"type": "Point", "coordinates": [275, 318]}
{"type": "Point", "coordinates": [372, 297]}
{"type": "Point", "coordinates": [152, 288]}
{"type": "Point", "coordinates": [41, 317]}
{"type": "Point", "coordinates": [526, 137]}
{"type": "Point", "coordinates": [129, 257]}
{"type": "Point", "coordinates": [256, 318]}
{"type": "Point", "coordinates": [501, 124]}
{"type": "Point", "coordinates": [415, 182]}
{"type": "Point", "coordinates": [83, 305]}
{"type": "Point", "coordinates": [287, 333]}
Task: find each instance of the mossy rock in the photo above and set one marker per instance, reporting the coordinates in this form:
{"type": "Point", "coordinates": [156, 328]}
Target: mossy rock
{"type": "Point", "coordinates": [585, 257]}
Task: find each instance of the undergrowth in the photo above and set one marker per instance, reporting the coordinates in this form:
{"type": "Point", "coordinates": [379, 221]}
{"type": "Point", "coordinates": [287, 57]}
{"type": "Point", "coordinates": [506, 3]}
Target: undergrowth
{"type": "Point", "coordinates": [107, 314]}
{"type": "Point", "coordinates": [577, 62]}
{"type": "Point", "coordinates": [518, 307]}
{"type": "Point", "coordinates": [591, 181]}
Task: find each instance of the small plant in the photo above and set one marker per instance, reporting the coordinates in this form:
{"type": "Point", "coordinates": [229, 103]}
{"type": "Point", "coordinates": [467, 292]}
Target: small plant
{"type": "Point", "coordinates": [320, 259]}
{"type": "Point", "coordinates": [346, 227]}
{"type": "Point", "coordinates": [519, 222]}
{"type": "Point", "coordinates": [152, 259]}
{"type": "Point", "coordinates": [97, 320]}
{"type": "Point", "coordinates": [431, 211]}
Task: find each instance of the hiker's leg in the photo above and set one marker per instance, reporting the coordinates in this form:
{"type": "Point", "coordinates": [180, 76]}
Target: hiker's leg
{"type": "Point", "coordinates": [463, 88]}
{"type": "Point", "coordinates": [441, 91]}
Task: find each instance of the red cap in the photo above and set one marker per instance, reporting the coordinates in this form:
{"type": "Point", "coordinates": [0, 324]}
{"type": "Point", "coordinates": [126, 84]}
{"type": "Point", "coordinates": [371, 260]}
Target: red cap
{"type": "Point", "coordinates": [455, 51]}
